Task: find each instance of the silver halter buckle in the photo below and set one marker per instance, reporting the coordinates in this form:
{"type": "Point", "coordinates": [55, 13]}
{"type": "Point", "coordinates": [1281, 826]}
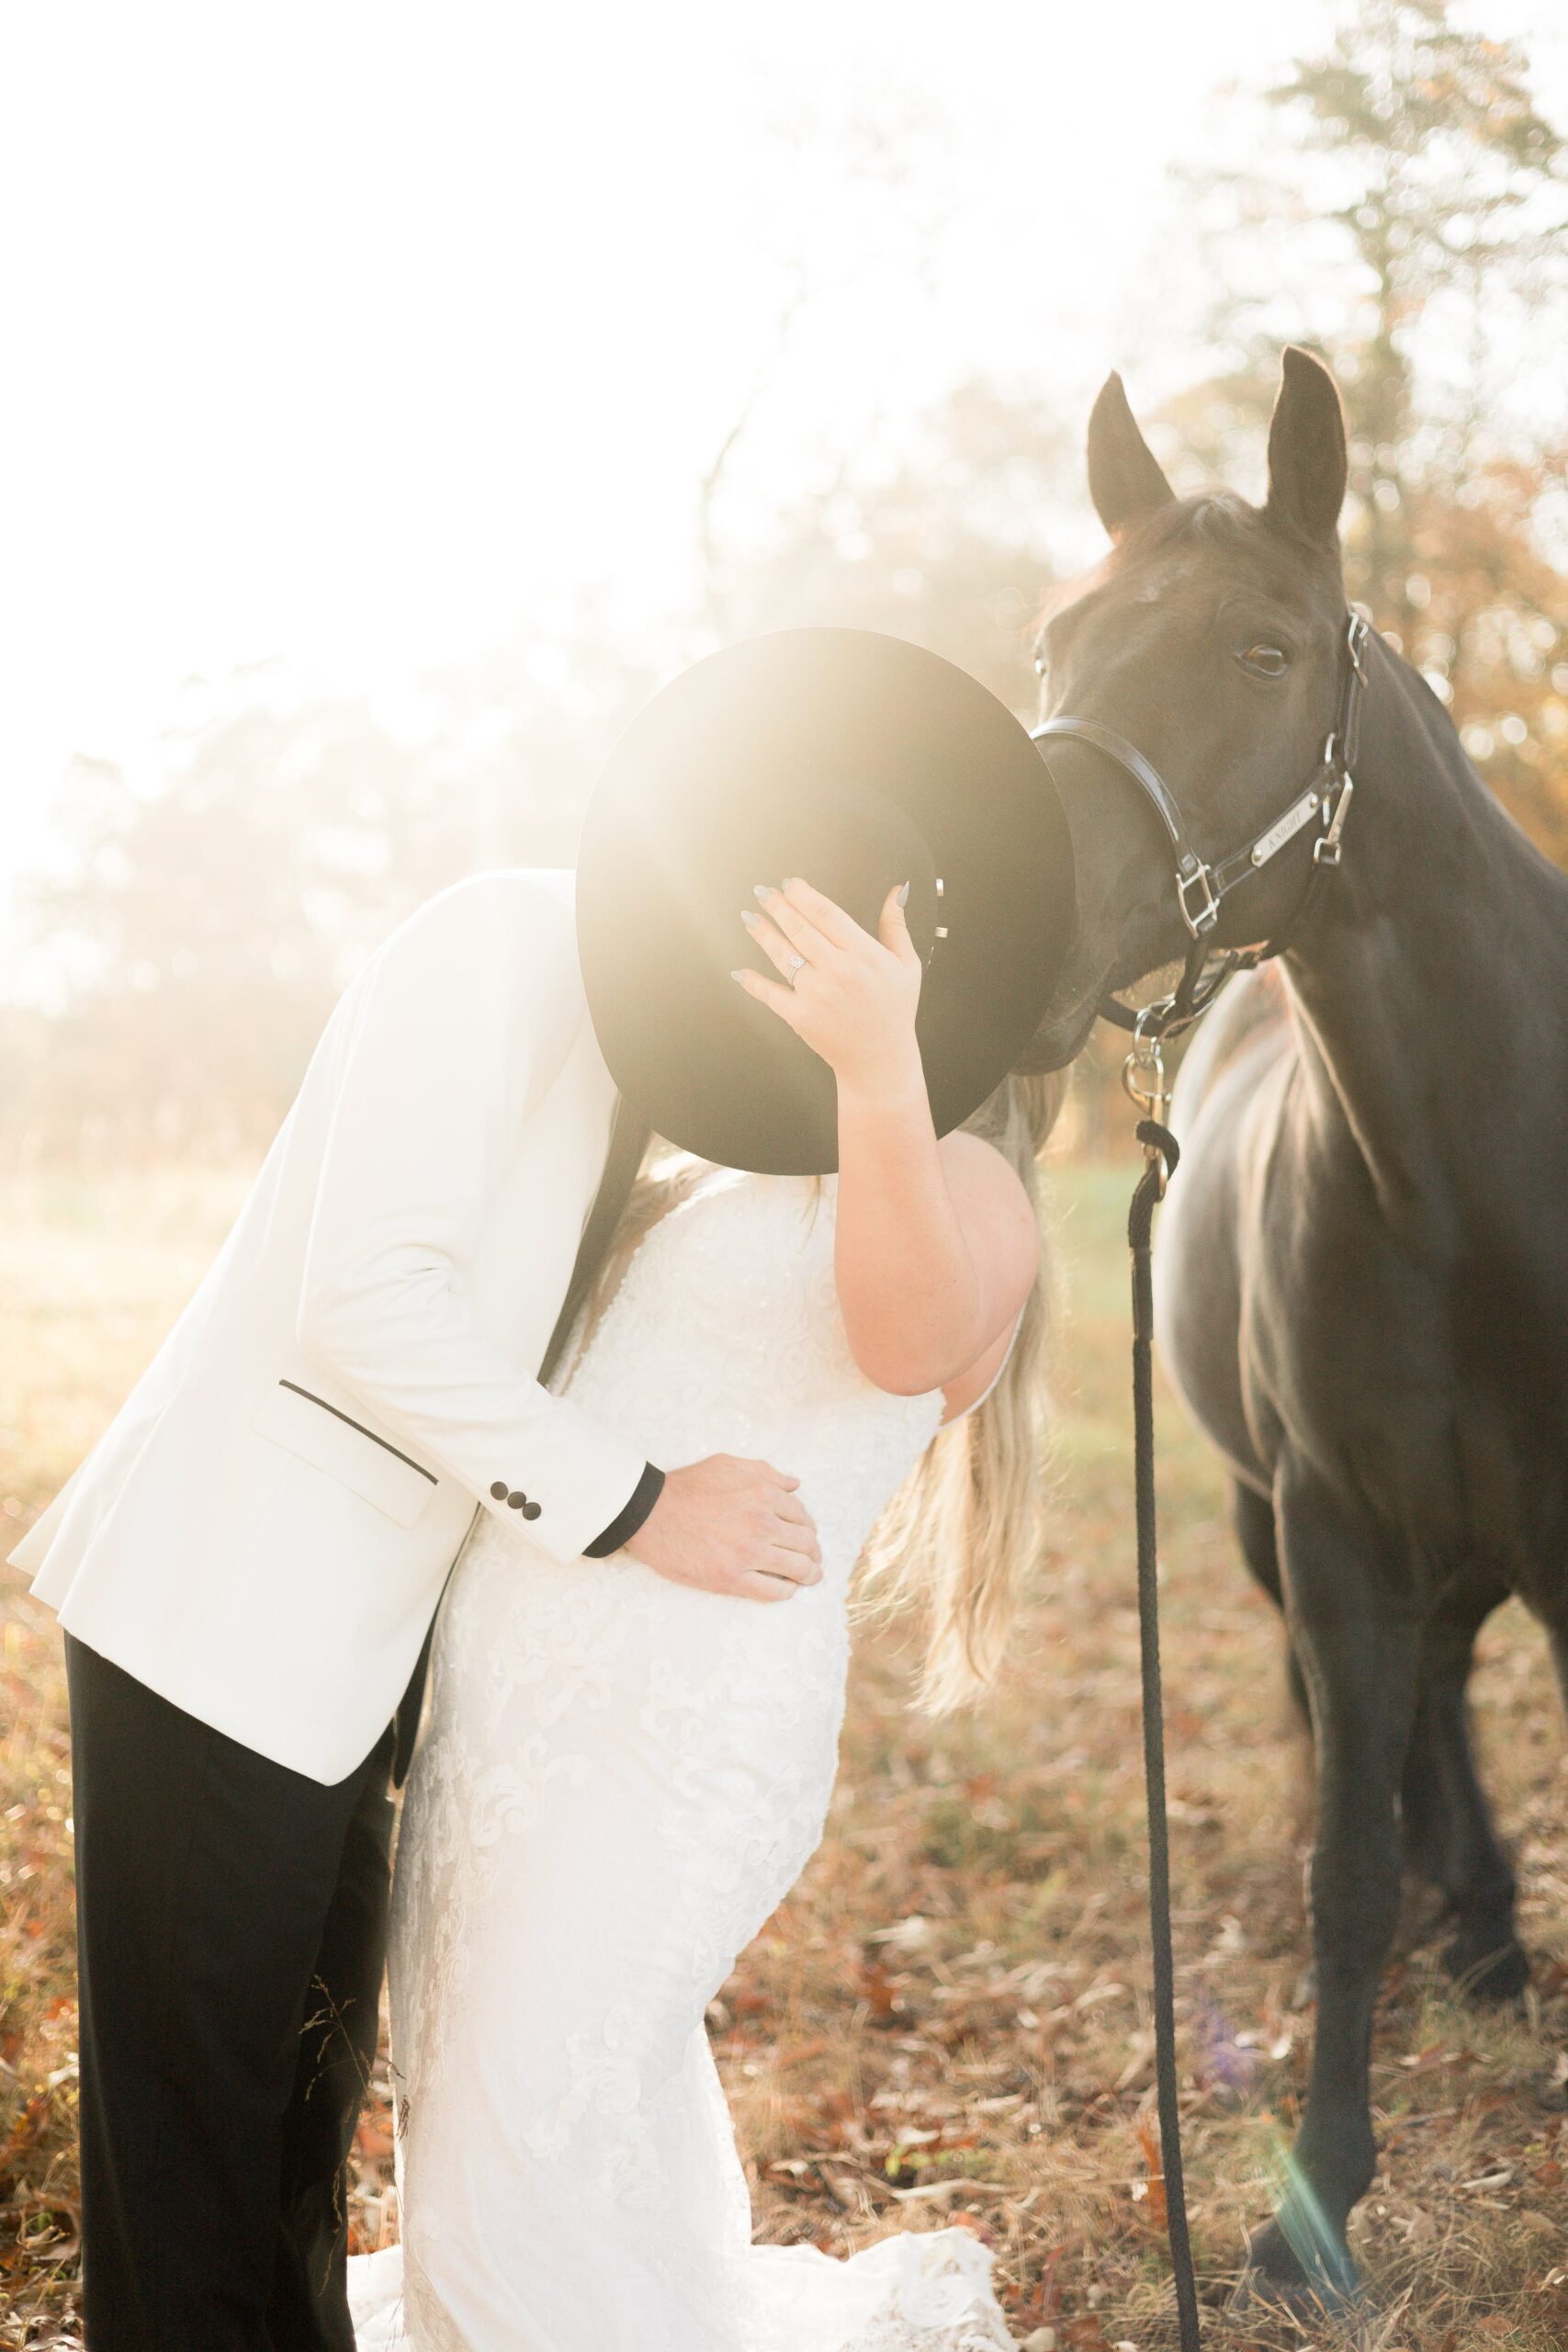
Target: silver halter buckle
{"type": "Point", "coordinates": [1207, 913]}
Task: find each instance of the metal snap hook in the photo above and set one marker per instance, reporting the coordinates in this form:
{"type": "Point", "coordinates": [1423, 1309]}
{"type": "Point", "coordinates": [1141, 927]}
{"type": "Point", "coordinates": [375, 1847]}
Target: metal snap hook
{"type": "Point", "coordinates": [1143, 1073]}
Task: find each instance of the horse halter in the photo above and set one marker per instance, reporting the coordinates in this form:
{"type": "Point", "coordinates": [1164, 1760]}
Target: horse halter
{"type": "Point", "coordinates": [1202, 886]}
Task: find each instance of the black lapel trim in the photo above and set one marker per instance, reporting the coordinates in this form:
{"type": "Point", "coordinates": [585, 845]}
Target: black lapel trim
{"type": "Point", "coordinates": [629, 1141]}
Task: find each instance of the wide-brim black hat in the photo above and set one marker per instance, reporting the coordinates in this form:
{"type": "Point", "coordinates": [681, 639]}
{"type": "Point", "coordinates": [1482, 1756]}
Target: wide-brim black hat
{"type": "Point", "coordinates": [857, 761]}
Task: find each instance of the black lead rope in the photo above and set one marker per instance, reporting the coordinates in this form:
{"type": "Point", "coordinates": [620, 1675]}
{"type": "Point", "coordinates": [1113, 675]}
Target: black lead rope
{"type": "Point", "coordinates": [1161, 1154]}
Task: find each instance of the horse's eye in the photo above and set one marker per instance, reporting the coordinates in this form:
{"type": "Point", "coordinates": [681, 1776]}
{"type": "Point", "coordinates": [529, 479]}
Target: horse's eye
{"type": "Point", "coordinates": [1265, 661]}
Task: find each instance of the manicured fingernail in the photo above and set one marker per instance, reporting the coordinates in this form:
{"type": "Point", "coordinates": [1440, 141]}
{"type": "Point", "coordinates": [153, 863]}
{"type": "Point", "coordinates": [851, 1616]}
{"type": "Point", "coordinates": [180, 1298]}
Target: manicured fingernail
{"type": "Point", "coordinates": [739, 975]}
{"type": "Point", "coordinates": [789, 881]}
{"type": "Point", "coordinates": [904, 896]}
{"type": "Point", "coordinates": [763, 890]}
{"type": "Point", "coordinates": [750, 920]}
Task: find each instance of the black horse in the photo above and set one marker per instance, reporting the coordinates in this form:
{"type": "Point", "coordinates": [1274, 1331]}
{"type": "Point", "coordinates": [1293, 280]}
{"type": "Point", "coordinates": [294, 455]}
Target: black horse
{"type": "Point", "coordinates": [1362, 1274]}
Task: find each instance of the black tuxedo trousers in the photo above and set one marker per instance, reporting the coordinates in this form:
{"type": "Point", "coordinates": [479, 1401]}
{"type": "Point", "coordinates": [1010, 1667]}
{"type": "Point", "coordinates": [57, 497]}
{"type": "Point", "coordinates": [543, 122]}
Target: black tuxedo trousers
{"type": "Point", "coordinates": [231, 1929]}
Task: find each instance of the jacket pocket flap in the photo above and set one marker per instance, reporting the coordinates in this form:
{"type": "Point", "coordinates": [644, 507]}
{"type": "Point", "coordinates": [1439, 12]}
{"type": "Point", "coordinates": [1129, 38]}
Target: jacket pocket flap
{"type": "Point", "coordinates": [331, 1443]}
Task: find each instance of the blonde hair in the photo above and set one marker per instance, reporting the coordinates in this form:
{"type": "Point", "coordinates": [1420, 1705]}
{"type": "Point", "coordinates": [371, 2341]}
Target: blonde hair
{"type": "Point", "coordinates": [964, 1532]}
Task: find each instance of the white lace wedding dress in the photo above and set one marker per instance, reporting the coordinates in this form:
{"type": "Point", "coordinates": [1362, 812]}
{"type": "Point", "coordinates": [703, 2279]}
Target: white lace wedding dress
{"type": "Point", "coordinates": [620, 1781]}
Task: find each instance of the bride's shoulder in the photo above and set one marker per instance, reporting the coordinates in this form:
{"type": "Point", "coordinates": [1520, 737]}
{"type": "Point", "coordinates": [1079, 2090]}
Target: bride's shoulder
{"type": "Point", "coordinates": [981, 1180]}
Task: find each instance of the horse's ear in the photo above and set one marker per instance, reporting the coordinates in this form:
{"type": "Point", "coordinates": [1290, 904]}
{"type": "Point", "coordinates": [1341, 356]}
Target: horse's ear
{"type": "Point", "coordinates": [1307, 460]}
{"type": "Point", "coordinates": [1124, 477]}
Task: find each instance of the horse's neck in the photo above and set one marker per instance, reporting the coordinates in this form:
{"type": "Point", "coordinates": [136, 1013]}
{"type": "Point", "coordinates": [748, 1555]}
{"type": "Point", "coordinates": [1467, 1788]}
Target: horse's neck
{"type": "Point", "coordinates": [1431, 987]}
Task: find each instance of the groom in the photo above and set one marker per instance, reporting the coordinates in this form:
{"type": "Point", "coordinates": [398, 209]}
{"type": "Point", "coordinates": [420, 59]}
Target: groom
{"type": "Point", "coordinates": [247, 1568]}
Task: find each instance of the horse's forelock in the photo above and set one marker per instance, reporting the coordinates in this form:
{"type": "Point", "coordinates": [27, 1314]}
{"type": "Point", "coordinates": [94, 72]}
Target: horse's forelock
{"type": "Point", "coordinates": [1168, 559]}
{"type": "Point", "coordinates": [1213, 518]}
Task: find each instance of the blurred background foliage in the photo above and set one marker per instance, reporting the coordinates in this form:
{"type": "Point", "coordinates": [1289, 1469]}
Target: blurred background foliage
{"type": "Point", "coordinates": [1397, 201]}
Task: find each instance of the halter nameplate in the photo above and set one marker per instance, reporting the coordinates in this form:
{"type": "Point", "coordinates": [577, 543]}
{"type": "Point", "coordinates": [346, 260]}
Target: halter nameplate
{"type": "Point", "coordinates": [1286, 830]}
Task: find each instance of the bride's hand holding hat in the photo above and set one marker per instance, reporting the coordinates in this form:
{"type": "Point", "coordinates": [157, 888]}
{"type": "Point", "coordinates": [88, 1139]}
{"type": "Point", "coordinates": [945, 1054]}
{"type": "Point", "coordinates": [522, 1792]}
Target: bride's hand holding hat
{"type": "Point", "coordinates": [850, 998]}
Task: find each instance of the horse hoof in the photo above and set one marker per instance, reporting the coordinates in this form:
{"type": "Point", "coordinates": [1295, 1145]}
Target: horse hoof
{"type": "Point", "coordinates": [1492, 1973]}
{"type": "Point", "coordinates": [1316, 2283]}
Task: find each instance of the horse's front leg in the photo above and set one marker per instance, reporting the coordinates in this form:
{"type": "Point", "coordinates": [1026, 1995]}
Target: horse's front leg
{"type": "Point", "coordinates": [1355, 1631]}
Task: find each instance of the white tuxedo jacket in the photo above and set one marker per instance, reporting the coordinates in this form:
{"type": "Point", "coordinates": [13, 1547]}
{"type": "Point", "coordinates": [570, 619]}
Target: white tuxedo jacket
{"type": "Point", "coordinates": [263, 1533]}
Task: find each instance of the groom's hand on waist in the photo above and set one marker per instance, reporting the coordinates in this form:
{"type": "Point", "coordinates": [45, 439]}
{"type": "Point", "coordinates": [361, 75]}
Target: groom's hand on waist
{"type": "Point", "coordinates": [734, 1527]}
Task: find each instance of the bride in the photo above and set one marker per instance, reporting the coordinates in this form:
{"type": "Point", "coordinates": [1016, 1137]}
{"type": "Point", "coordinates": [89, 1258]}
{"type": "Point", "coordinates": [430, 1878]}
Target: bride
{"type": "Point", "coordinates": [622, 1777]}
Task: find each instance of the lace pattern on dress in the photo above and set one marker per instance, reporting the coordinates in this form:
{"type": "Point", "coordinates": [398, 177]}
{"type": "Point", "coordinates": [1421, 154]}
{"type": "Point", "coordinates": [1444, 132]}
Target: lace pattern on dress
{"type": "Point", "coordinates": [621, 1780]}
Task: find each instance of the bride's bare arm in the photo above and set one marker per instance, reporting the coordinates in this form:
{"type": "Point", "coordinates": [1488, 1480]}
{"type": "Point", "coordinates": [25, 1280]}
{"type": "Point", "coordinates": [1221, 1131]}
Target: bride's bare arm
{"type": "Point", "coordinates": [936, 1243]}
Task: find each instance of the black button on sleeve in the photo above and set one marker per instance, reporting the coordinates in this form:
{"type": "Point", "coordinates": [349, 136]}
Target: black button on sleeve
{"type": "Point", "coordinates": [498, 1491]}
{"type": "Point", "coordinates": [518, 1502]}
{"type": "Point", "coordinates": [532, 1510]}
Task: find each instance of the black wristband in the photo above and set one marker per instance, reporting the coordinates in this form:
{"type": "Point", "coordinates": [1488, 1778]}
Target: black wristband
{"type": "Point", "coordinates": [622, 1528]}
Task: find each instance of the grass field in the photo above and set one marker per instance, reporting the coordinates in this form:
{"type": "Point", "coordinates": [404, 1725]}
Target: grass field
{"type": "Point", "coordinates": [950, 2016]}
